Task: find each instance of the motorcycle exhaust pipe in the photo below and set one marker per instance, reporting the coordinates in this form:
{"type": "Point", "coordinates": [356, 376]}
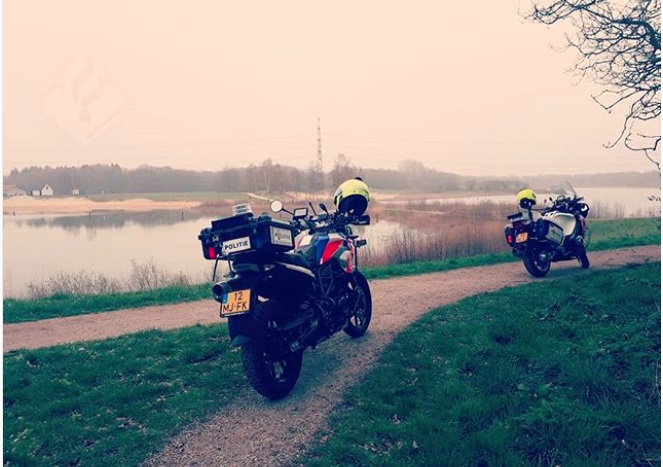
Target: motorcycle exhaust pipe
{"type": "Point", "coordinates": [219, 289]}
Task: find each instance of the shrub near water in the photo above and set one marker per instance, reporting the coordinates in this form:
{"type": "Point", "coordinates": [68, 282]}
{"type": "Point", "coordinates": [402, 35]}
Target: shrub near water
{"type": "Point", "coordinates": [433, 231]}
{"type": "Point", "coordinates": [553, 373]}
{"type": "Point", "coordinates": [415, 254]}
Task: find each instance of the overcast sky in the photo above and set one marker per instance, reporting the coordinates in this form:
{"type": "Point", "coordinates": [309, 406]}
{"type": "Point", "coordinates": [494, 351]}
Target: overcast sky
{"type": "Point", "coordinates": [464, 87]}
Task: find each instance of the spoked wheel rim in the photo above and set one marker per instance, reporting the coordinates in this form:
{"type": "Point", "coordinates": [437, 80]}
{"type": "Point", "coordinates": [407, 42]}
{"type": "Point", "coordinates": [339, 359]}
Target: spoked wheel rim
{"type": "Point", "coordinates": [540, 263]}
{"type": "Point", "coordinates": [360, 316]}
{"type": "Point", "coordinates": [272, 373]}
{"type": "Point", "coordinates": [272, 376]}
{"type": "Point", "coordinates": [279, 369]}
{"type": "Point", "coordinates": [536, 263]}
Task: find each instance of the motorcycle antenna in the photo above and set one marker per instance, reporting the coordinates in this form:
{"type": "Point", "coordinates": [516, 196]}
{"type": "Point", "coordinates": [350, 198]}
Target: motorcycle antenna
{"type": "Point", "coordinates": [312, 208]}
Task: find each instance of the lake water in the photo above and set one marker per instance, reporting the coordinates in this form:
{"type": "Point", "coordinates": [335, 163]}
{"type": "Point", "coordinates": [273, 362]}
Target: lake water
{"type": "Point", "coordinates": [629, 202]}
{"type": "Point", "coordinates": [38, 247]}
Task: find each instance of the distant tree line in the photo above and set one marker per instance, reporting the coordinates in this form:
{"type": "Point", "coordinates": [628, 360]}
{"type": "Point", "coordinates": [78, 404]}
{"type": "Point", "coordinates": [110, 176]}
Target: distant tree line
{"type": "Point", "coordinates": [264, 177]}
{"type": "Point", "coordinates": [269, 177]}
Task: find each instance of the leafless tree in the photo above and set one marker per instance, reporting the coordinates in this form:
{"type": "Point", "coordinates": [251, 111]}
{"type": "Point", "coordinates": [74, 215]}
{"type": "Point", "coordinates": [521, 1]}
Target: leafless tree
{"type": "Point", "coordinates": [343, 170]}
{"type": "Point", "coordinates": [619, 48]}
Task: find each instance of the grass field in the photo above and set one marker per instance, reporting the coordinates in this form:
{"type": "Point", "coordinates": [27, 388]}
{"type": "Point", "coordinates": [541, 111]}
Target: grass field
{"type": "Point", "coordinates": [111, 402]}
{"type": "Point", "coordinates": [559, 372]}
{"type": "Point", "coordinates": [539, 375]}
{"type": "Point", "coordinates": [625, 232]}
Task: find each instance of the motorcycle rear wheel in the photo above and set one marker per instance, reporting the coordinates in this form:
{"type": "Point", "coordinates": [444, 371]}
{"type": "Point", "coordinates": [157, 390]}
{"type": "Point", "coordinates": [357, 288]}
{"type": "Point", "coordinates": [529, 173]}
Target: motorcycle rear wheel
{"type": "Point", "coordinates": [273, 377]}
{"type": "Point", "coordinates": [271, 374]}
{"type": "Point", "coordinates": [362, 309]}
{"type": "Point", "coordinates": [535, 265]}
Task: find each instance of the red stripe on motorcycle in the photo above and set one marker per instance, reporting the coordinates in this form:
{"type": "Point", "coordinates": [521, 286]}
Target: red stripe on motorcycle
{"type": "Point", "coordinates": [330, 249]}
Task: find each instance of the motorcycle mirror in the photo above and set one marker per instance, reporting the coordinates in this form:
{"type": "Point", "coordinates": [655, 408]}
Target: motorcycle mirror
{"type": "Point", "coordinates": [323, 207]}
{"type": "Point", "coordinates": [276, 206]}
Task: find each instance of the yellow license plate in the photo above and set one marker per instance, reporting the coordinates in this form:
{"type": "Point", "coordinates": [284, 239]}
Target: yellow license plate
{"type": "Point", "coordinates": [236, 303]}
{"type": "Point", "coordinates": [521, 237]}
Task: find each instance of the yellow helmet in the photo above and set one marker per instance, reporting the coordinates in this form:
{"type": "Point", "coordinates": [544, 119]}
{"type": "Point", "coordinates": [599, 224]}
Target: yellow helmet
{"type": "Point", "coordinates": [526, 198]}
{"type": "Point", "coordinates": [352, 196]}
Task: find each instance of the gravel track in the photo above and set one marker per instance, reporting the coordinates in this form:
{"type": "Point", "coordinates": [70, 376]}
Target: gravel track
{"type": "Point", "coordinates": [256, 431]}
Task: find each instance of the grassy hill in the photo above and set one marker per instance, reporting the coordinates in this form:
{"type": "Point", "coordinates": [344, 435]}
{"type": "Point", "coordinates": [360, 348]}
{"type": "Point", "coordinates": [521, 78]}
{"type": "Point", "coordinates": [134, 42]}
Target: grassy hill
{"type": "Point", "coordinates": [550, 373]}
{"type": "Point", "coordinates": [557, 372]}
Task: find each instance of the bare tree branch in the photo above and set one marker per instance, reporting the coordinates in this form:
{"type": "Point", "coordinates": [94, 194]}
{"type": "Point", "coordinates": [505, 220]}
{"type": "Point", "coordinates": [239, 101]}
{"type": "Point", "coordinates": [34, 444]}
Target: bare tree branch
{"type": "Point", "coordinates": [619, 47]}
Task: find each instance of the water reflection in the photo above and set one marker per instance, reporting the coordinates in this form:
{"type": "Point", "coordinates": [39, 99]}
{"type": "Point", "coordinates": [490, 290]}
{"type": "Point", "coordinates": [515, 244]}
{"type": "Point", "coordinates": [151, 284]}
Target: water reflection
{"type": "Point", "coordinates": [378, 233]}
{"type": "Point", "coordinates": [38, 247]}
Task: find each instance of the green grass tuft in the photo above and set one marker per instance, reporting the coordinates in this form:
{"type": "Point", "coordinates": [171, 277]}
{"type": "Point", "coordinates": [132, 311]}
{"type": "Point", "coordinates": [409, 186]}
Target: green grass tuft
{"type": "Point", "coordinates": [114, 402]}
{"type": "Point", "coordinates": [60, 305]}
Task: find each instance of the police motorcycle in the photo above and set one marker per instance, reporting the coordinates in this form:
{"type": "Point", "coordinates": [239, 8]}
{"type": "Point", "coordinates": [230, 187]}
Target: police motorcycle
{"type": "Point", "coordinates": [290, 284]}
{"type": "Point", "coordinates": [557, 232]}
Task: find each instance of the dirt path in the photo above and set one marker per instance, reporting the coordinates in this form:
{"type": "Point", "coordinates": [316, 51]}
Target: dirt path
{"type": "Point", "coordinates": [255, 431]}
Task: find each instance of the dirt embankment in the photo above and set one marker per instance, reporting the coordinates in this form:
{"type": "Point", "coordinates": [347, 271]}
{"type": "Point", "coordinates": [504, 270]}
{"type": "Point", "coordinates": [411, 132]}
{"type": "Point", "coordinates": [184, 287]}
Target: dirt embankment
{"type": "Point", "coordinates": [273, 433]}
{"type": "Point", "coordinates": [77, 205]}
{"type": "Point", "coordinates": [83, 205]}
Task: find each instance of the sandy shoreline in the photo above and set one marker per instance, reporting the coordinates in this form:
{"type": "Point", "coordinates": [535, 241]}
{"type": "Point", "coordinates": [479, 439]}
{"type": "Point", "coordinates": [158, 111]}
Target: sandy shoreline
{"type": "Point", "coordinates": [30, 205]}
{"type": "Point", "coordinates": [81, 205]}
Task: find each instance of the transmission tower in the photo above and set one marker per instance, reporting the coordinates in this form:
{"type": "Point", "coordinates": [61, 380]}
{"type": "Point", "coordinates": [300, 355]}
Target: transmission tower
{"type": "Point", "coordinates": [319, 158]}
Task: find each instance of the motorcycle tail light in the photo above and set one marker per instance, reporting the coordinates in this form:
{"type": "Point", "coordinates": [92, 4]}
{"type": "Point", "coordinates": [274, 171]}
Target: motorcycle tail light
{"type": "Point", "coordinates": [211, 252]}
{"type": "Point", "coordinates": [509, 232]}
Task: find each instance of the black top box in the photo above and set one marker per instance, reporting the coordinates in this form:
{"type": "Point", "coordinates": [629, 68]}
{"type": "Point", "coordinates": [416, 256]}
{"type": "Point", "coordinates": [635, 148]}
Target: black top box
{"type": "Point", "coordinates": [244, 233]}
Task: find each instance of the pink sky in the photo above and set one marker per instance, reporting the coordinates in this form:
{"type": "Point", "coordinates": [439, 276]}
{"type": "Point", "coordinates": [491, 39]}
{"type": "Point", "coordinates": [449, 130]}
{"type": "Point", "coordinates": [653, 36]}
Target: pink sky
{"type": "Point", "coordinates": [467, 87]}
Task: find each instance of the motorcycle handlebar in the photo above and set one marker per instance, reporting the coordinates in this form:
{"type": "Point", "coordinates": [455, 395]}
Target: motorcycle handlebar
{"type": "Point", "coordinates": [569, 205]}
{"type": "Point", "coordinates": [330, 221]}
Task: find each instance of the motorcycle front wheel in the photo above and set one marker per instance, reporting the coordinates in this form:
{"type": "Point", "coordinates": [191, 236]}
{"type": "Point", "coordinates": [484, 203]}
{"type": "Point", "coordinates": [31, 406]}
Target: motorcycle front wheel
{"type": "Point", "coordinates": [362, 308]}
{"type": "Point", "coordinates": [536, 264]}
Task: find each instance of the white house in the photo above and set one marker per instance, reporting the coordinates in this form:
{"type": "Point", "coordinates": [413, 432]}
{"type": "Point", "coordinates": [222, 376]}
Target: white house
{"type": "Point", "coordinates": [12, 190]}
{"type": "Point", "coordinates": [47, 191]}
